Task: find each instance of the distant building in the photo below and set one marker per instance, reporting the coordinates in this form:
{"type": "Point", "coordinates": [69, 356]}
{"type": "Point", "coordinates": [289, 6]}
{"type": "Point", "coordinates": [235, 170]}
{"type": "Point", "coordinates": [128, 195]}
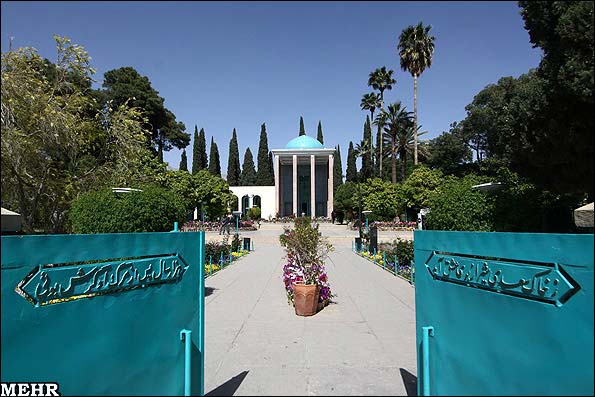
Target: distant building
{"type": "Point", "coordinates": [303, 182]}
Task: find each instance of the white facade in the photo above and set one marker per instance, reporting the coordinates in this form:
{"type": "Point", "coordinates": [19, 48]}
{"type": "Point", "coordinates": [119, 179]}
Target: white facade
{"type": "Point", "coordinates": [248, 197]}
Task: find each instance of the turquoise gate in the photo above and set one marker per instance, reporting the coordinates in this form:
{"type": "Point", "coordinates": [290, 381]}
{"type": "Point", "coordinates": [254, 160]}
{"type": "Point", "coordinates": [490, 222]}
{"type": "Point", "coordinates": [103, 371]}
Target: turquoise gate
{"type": "Point", "coordinates": [105, 314]}
{"type": "Point", "coordinates": [504, 313]}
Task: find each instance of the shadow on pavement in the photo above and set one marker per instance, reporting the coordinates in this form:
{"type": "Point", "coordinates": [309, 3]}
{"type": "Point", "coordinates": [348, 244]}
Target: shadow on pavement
{"type": "Point", "coordinates": [410, 382]}
{"type": "Point", "coordinates": [209, 290]}
{"type": "Point", "coordinates": [229, 387]}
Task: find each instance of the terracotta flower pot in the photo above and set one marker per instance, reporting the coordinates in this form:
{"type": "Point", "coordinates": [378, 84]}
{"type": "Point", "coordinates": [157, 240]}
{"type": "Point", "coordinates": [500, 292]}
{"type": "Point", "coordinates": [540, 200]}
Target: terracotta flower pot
{"type": "Point", "coordinates": [305, 298]}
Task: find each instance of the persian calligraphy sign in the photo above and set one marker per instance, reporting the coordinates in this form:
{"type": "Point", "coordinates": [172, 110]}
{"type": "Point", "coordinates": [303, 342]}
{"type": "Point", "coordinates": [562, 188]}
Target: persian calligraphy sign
{"type": "Point", "coordinates": [49, 284]}
{"type": "Point", "coordinates": [538, 281]}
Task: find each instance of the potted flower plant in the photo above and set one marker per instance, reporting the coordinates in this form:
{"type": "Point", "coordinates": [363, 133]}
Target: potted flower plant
{"type": "Point", "coordinates": [304, 274]}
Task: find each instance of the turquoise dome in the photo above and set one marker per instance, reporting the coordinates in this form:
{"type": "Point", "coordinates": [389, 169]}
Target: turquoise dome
{"type": "Point", "coordinates": [303, 142]}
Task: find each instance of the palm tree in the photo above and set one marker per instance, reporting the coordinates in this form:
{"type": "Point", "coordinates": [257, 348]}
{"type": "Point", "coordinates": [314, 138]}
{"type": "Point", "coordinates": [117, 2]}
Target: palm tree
{"type": "Point", "coordinates": [396, 120]}
{"type": "Point", "coordinates": [370, 102]}
{"type": "Point", "coordinates": [405, 145]}
{"type": "Point", "coordinates": [416, 48]}
{"type": "Point", "coordinates": [381, 79]}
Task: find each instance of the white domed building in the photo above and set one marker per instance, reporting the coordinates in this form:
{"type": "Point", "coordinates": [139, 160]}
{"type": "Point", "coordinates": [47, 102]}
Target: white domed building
{"type": "Point", "coordinates": [303, 182]}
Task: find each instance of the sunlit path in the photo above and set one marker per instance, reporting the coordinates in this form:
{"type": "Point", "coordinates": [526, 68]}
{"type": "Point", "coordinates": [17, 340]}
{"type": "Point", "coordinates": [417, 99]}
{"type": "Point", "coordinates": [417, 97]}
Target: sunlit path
{"type": "Point", "coordinates": [363, 343]}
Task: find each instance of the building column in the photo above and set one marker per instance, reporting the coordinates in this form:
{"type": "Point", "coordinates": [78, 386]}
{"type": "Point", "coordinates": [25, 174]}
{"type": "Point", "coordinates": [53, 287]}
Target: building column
{"type": "Point", "coordinates": [312, 186]}
{"type": "Point", "coordinates": [250, 200]}
{"type": "Point", "coordinates": [277, 191]}
{"type": "Point", "coordinates": [295, 185]}
{"type": "Point", "coordinates": [330, 195]}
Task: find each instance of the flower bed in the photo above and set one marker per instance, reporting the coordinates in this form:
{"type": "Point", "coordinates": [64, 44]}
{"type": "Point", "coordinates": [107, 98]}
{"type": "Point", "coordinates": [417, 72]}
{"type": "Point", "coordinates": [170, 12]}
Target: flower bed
{"type": "Point", "coordinates": [398, 226]}
{"type": "Point", "coordinates": [208, 226]}
{"type": "Point", "coordinates": [217, 254]}
{"type": "Point", "coordinates": [291, 219]}
{"type": "Point", "coordinates": [397, 254]}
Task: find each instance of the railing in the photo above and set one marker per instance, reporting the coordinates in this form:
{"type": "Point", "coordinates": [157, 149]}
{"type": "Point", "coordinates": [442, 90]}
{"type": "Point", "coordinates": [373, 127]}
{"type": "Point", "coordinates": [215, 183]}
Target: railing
{"type": "Point", "coordinates": [391, 265]}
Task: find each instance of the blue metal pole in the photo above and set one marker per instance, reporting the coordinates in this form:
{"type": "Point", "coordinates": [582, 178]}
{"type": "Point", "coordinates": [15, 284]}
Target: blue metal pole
{"type": "Point", "coordinates": [230, 255]}
{"type": "Point", "coordinates": [367, 228]}
{"type": "Point", "coordinates": [210, 265]}
{"type": "Point", "coordinates": [201, 314]}
{"type": "Point", "coordinates": [426, 333]}
{"type": "Point", "coordinates": [185, 336]}
{"type": "Point", "coordinates": [374, 255]}
{"type": "Point", "coordinates": [175, 227]}
{"type": "Point", "coordinates": [252, 245]}
{"type": "Point", "coordinates": [237, 220]}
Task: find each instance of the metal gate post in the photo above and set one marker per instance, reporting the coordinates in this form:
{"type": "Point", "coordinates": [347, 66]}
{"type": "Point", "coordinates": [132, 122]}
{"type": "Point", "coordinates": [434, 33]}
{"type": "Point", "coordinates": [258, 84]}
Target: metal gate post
{"type": "Point", "coordinates": [426, 333]}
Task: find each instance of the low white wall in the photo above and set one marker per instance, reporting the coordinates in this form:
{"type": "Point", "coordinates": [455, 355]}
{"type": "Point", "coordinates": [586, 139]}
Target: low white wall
{"type": "Point", "coordinates": [267, 198]}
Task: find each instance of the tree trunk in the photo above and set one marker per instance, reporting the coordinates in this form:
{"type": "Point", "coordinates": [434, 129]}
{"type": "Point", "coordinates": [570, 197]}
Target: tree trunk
{"type": "Point", "coordinates": [415, 119]}
{"type": "Point", "coordinates": [403, 157]}
{"type": "Point", "coordinates": [393, 162]}
{"type": "Point", "coordinates": [380, 150]}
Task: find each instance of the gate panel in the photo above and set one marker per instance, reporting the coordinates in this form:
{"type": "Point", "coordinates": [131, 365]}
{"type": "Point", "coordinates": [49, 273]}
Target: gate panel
{"type": "Point", "coordinates": [504, 313]}
{"type": "Point", "coordinates": [111, 327]}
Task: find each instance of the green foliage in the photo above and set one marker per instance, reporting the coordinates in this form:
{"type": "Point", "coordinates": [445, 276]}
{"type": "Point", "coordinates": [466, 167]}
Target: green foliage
{"type": "Point", "coordinates": [199, 156]}
{"type": "Point", "coordinates": [126, 85]}
{"type": "Point", "coordinates": [305, 243]}
{"type": "Point", "coordinates": [449, 151]}
{"type": "Point", "coordinates": [196, 188]}
{"type": "Point", "coordinates": [345, 199]}
{"type": "Point", "coordinates": [383, 198]}
{"type": "Point", "coordinates": [152, 210]}
{"type": "Point", "coordinates": [233, 163]}
{"type": "Point", "coordinates": [214, 162]}
{"type": "Point", "coordinates": [381, 79]}
{"type": "Point", "coordinates": [351, 172]}
{"type": "Point", "coordinates": [420, 186]}
{"type": "Point", "coordinates": [264, 175]}
{"type": "Point", "coordinates": [402, 249]}
{"type": "Point", "coordinates": [302, 129]}
{"type": "Point", "coordinates": [183, 161]}
{"type": "Point", "coordinates": [457, 206]}
{"type": "Point", "coordinates": [56, 141]}
{"type": "Point", "coordinates": [365, 152]}
{"type": "Point", "coordinates": [248, 175]}
{"type": "Point", "coordinates": [254, 213]}
{"type": "Point", "coordinates": [319, 136]}
{"type": "Point", "coordinates": [337, 170]}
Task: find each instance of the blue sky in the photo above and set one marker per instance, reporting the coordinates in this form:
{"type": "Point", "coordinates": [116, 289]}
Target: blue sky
{"type": "Point", "coordinates": [225, 65]}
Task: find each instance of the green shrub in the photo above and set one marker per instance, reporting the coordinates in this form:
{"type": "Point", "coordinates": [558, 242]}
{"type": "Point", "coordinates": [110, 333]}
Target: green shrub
{"type": "Point", "coordinates": [400, 248]}
{"type": "Point", "coordinates": [152, 210]}
{"type": "Point", "coordinates": [254, 213]}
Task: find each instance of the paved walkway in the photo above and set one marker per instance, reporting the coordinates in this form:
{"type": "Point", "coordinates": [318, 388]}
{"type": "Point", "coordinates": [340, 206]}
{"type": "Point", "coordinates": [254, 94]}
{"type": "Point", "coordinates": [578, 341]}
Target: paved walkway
{"type": "Point", "coordinates": [255, 344]}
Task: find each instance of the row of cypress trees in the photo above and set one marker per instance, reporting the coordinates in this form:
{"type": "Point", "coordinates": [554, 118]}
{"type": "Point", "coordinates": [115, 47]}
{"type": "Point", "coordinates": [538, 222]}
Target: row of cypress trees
{"type": "Point", "coordinates": [247, 175]}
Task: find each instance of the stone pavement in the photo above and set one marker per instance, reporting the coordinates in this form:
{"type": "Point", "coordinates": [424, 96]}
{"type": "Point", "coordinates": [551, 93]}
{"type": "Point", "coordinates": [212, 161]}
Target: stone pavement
{"type": "Point", "coordinates": [255, 344]}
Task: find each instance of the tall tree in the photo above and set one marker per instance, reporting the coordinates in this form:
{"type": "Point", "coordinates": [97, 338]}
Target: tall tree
{"type": "Point", "coordinates": [449, 151]}
{"type": "Point", "coordinates": [264, 175]}
{"type": "Point", "coordinates": [351, 171]}
{"type": "Point", "coordinates": [365, 151]}
{"type": "Point", "coordinates": [195, 152]}
{"type": "Point", "coordinates": [416, 48]}
{"type": "Point", "coordinates": [319, 136]}
{"type": "Point", "coordinates": [248, 175]}
{"type": "Point", "coordinates": [370, 102]}
{"type": "Point", "coordinates": [233, 162]}
{"type": "Point", "coordinates": [395, 120]}
{"type": "Point", "coordinates": [214, 162]}
{"type": "Point", "coordinates": [381, 79]}
{"type": "Point", "coordinates": [126, 85]}
{"type": "Point", "coordinates": [302, 129]}
{"type": "Point", "coordinates": [203, 162]}
{"type": "Point", "coordinates": [183, 161]}
{"type": "Point", "coordinates": [272, 167]}
{"type": "Point", "coordinates": [337, 170]}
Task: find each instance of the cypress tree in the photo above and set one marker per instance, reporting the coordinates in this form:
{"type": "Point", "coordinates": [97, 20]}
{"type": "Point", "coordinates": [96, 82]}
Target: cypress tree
{"type": "Point", "coordinates": [183, 161]}
{"type": "Point", "coordinates": [378, 154]}
{"type": "Point", "coordinates": [214, 162]}
{"type": "Point", "coordinates": [319, 135]}
{"type": "Point", "coordinates": [302, 129]}
{"type": "Point", "coordinates": [367, 162]}
{"type": "Point", "coordinates": [202, 151]}
{"type": "Point", "coordinates": [351, 171]}
{"type": "Point", "coordinates": [195, 150]}
{"type": "Point", "coordinates": [264, 175]}
{"type": "Point", "coordinates": [248, 175]}
{"type": "Point", "coordinates": [233, 162]}
{"type": "Point", "coordinates": [272, 167]}
{"type": "Point", "coordinates": [337, 170]}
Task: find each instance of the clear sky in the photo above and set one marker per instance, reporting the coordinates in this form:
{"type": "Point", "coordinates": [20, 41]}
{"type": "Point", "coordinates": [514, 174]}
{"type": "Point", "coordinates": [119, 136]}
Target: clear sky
{"type": "Point", "coordinates": [221, 65]}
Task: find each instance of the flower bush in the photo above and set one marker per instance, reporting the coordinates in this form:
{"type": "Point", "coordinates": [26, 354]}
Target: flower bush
{"type": "Point", "coordinates": [306, 251]}
{"type": "Point", "coordinates": [399, 253]}
{"type": "Point", "coordinates": [402, 225]}
{"type": "Point", "coordinates": [213, 226]}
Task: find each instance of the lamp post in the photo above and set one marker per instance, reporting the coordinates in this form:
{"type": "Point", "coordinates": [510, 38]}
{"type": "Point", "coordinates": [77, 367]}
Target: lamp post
{"type": "Point", "coordinates": [237, 215]}
{"type": "Point", "coordinates": [366, 213]}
